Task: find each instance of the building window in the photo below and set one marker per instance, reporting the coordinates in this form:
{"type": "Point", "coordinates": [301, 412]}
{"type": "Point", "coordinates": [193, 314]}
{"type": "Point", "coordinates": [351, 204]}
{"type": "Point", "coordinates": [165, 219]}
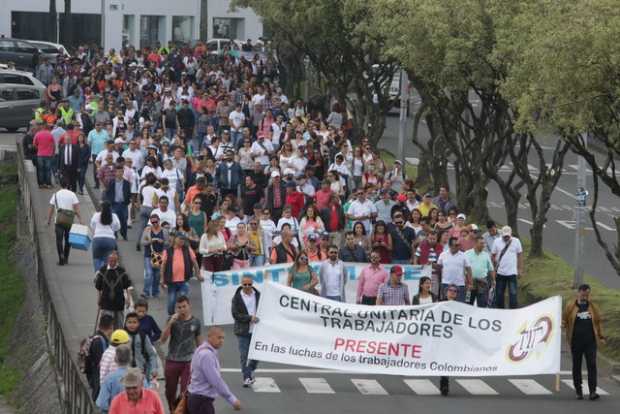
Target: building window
{"type": "Point", "coordinates": [182, 29]}
{"type": "Point", "coordinates": [129, 30]}
{"type": "Point", "coordinates": [152, 29]}
{"type": "Point", "coordinates": [228, 28]}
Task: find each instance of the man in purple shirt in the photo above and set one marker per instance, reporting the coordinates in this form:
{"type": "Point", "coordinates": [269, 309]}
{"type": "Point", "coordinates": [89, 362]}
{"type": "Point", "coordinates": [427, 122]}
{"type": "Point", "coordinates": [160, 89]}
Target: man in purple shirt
{"type": "Point", "coordinates": [207, 382]}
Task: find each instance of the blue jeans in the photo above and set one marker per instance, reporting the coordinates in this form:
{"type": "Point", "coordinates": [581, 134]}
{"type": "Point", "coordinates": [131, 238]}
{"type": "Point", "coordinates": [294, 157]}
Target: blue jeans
{"type": "Point", "coordinates": [256, 261]}
{"type": "Point", "coordinates": [336, 298]}
{"type": "Point", "coordinates": [151, 279]}
{"type": "Point", "coordinates": [145, 215]}
{"type": "Point", "coordinates": [236, 138]}
{"type": "Point", "coordinates": [460, 294]}
{"type": "Point", "coordinates": [501, 282]}
{"type": "Point", "coordinates": [170, 132]}
{"type": "Point", "coordinates": [44, 170]}
{"type": "Point", "coordinates": [175, 290]}
{"type": "Point", "coordinates": [102, 247]}
{"type": "Point", "coordinates": [120, 209]}
{"type": "Point", "coordinates": [247, 367]}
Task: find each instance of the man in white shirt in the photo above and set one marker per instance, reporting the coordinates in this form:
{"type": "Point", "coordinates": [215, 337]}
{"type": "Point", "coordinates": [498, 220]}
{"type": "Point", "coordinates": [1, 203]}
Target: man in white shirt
{"type": "Point", "coordinates": [237, 121]}
{"type": "Point", "coordinates": [261, 150]}
{"type": "Point", "coordinates": [135, 154]}
{"type": "Point", "coordinates": [455, 269]}
{"type": "Point", "coordinates": [244, 305]}
{"type": "Point", "coordinates": [64, 201]}
{"type": "Point", "coordinates": [362, 210]}
{"type": "Point", "coordinates": [507, 254]}
{"type": "Point", "coordinates": [165, 214]}
{"type": "Point", "coordinates": [332, 276]}
{"type": "Point", "coordinates": [103, 154]}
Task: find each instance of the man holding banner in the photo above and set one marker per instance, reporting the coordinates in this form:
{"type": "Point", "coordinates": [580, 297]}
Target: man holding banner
{"type": "Point", "coordinates": [444, 382]}
{"type": "Point", "coordinates": [332, 276]}
{"type": "Point", "coordinates": [244, 305]}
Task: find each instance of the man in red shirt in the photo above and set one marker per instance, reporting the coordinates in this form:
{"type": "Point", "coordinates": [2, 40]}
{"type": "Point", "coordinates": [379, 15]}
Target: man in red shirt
{"type": "Point", "coordinates": [136, 399]}
{"type": "Point", "coordinates": [323, 195]}
{"type": "Point", "coordinates": [427, 253]}
{"type": "Point", "coordinates": [295, 199]}
{"type": "Point", "coordinates": [45, 146]}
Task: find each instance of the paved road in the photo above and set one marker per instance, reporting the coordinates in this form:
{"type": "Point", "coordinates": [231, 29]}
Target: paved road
{"type": "Point", "coordinates": [291, 389]}
{"type": "Point", "coordinates": [559, 233]}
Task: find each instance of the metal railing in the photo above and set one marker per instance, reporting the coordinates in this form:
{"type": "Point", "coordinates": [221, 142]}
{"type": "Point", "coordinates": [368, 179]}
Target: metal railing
{"type": "Point", "coordinates": [74, 392]}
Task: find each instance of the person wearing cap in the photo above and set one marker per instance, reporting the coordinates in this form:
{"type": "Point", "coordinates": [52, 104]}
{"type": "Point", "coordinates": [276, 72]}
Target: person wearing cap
{"type": "Point", "coordinates": [467, 238]}
{"type": "Point", "coordinates": [458, 225]}
{"type": "Point", "coordinates": [394, 292]}
{"type": "Point", "coordinates": [507, 255]}
{"type": "Point", "coordinates": [108, 363]}
{"type": "Point", "coordinates": [262, 149]}
{"type": "Point", "coordinates": [275, 196]}
{"type": "Point", "coordinates": [482, 271]}
{"type": "Point", "coordinates": [136, 399]}
{"type": "Point", "coordinates": [113, 384]}
{"type": "Point", "coordinates": [582, 321]}
{"type": "Point", "coordinates": [426, 205]}
{"type": "Point", "coordinates": [455, 269]}
{"type": "Point", "coordinates": [228, 175]}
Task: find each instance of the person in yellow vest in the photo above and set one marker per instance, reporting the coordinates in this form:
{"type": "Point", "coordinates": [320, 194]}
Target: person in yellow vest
{"type": "Point", "coordinates": [65, 112]}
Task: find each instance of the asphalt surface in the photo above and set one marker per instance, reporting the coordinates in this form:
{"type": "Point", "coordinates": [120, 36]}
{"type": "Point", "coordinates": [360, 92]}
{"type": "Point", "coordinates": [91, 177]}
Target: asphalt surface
{"type": "Point", "coordinates": [283, 388]}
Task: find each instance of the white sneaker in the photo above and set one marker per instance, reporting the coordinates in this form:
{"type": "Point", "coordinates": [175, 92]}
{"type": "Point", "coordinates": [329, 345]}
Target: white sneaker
{"type": "Point", "coordinates": [247, 382]}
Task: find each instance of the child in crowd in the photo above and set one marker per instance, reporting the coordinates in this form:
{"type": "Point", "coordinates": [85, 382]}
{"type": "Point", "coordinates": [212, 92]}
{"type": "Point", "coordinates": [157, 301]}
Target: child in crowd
{"type": "Point", "coordinates": [143, 354]}
{"type": "Point", "coordinates": [147, 323]}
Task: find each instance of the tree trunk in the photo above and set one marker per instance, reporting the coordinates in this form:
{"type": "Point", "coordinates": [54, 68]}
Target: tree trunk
{"type": "Point", "coordinates": [511, 206]}
{"type": "Point", "coordinates": [53, 28]}
{"type": "Point", "coordinates": [67, 28]}
{"type": "Point", "coordinates": [204, 20]}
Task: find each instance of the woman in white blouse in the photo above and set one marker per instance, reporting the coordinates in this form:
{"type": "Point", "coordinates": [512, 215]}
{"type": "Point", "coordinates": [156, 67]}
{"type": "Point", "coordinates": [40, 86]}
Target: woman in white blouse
{"type": "Point", "coordinates": [212, 247]}
{"type": "Point", "coordinates": [104, 225]}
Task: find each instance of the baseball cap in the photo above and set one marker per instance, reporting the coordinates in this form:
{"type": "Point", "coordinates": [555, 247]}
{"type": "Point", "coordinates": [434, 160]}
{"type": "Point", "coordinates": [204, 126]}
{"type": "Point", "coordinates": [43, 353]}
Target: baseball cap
{"type": "Point", "coordinates": [397, 270]}
{"type": "Point", "coordinates": [506, 231]}
{"type": "Point", "coordinates": [133, 378]}
{"type": "Point", "coordinates": [291, 184]}
{"type": "Point", "coordinates": [461, 216]}
{"type": "Point", "coordinates": [473, 227]}
{"type": "Point", "coordinates": [401, 198]}
{"type": "Point", "coordinates": [119, 141]}
{"type": "Point", "coordinates": [119, 336]}
{"type": "Point", "coordinates": [275, 174]}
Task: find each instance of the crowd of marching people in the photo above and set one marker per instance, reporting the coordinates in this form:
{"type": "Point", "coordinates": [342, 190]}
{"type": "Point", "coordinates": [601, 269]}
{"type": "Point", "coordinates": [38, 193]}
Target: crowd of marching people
{"type": "Point", "coordinates": [203, 163]}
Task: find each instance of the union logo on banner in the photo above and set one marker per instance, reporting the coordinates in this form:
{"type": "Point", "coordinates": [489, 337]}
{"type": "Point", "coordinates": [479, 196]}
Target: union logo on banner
{"type": "Point", "coordinates": [530, 338]}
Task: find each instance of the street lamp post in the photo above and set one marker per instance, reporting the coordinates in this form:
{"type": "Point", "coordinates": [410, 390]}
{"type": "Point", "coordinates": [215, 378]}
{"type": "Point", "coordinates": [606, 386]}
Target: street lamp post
{"type": "Point", "coordinates": [404, 100]}
{"type": "Point", "coordinates": [580, 217]}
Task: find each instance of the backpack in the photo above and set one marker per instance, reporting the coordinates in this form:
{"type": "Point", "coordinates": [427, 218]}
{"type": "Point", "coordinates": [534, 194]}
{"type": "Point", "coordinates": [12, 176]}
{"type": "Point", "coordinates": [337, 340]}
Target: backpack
{"type": "Point", "coordinates": [84, 357]}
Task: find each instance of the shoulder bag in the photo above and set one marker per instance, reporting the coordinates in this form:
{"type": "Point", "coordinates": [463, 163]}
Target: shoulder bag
{"type": "Point", "coordinates": [64, 217]}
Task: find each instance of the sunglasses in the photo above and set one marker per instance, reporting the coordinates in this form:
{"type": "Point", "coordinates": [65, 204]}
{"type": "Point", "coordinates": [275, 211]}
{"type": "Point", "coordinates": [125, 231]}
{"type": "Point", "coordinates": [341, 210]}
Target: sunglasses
{"type": "Point", "coordinates": [303, 258]}
{"type": "Point", "coordinates": [247, 285]}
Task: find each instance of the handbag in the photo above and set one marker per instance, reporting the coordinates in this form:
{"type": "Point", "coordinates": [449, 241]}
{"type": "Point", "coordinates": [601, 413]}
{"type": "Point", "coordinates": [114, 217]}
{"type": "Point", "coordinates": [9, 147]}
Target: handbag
{"type": "Point", "coordinates": [64, 217]}
{"type": "Point", "coordinates": [182, 405]}
{"type": "Point", "coordinates": [156, 259]}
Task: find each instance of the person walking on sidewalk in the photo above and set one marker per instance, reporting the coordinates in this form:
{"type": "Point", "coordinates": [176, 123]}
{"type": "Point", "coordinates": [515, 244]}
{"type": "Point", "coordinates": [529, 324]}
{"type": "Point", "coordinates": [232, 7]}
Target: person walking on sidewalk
{"type": "Point", "coordinates": [244, 306]}
{"type": "Point", "coordinates": [207, 382]}
{"type": "Point", "coordinates": [104, 224]}
{"type": "Point", "coordinates": [118, 194]}
{"type": "Point", "coordinates": [136, 399]}
{"type": "Point", "coordinates": [65, 203]}
{"type": "Point", "coordinates": [584, 330]}
{"type": "Point", "coordinates": [154, 239]}
{"type": "Point", "coordinates": [113, 285]}
{"type": "Point", "coordinates": [184, 331]}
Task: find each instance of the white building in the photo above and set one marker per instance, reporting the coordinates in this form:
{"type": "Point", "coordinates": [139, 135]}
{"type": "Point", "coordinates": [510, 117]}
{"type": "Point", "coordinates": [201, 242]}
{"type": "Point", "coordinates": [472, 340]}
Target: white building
{"type": "Point", "coordinates": [113, 23]}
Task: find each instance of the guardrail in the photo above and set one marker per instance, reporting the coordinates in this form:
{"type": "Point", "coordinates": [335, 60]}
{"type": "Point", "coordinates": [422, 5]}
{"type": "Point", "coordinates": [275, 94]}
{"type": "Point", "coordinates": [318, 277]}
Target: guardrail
{"type": "Point", "coordinates": [74, 392]}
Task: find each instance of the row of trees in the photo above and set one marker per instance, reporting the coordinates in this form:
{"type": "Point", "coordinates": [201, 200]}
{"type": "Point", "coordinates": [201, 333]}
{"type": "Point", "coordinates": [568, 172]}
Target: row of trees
{"type": "Point", "coordinates": [530, 65]}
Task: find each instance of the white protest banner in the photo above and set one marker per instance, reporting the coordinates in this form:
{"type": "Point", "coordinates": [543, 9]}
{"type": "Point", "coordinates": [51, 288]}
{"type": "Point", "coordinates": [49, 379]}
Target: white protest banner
{"type": "Point", "coordinates": [445, 338]}
{"type": "Point", "coordinates": [219, 288]}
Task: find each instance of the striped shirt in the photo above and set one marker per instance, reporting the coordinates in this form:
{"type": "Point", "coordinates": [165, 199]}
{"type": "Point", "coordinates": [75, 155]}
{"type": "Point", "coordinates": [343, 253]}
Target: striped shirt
{"type": "Point", "coordinates": [391, 295]}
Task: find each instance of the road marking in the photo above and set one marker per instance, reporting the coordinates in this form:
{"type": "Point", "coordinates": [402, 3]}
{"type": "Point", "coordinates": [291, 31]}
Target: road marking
{"type": "Point", "coordinates": [605, 226]}
{"type": "Point", "coordinates": [529, 387]}
{"type": "Point", "coordinates": [493, 204]}
{"type": "Point", "coordinates": [554, 207]}
{"type": "Point", "coordinates": [576, 168]}
{"type": "Point", "coordinates": [604, 209]}
{"type": "Point", "coordinates": [265, 384]}
{"type": "Point", "coordinates": [412, 160]}
{"type": "Point", "coordinates": [586, 389]}
{"type": "Point", "coordinates": [569, 224]}
{"type": "Point", "coordinates": [571, 195]}
{"type": "Point", "coordinates": [567, 207]}
{"type": "Point", "coordinates": [422, 386]}
{"type": "Point", "coordinates": [316, 386]}
{"type": "Point", "coordinates": [476, 387]}
{"type": "Point", "coordinates": [526, 221]}
{"type": "Point", "coordinates": [523, 205]}
{"type": "Point", "coordinates": [616, 209]}
{"type": "Point", "coordinates": [368, 387]}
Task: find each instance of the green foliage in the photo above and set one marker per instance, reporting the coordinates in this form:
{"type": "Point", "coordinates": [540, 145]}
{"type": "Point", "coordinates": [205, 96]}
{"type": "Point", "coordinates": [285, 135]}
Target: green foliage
{"type": "Point", "coordinates": [11, 288]}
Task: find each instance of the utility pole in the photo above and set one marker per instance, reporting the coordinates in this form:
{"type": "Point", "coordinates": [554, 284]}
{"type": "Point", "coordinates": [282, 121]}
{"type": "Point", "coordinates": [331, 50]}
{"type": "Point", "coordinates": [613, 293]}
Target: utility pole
{"type": "Point", "coordinates": [580, 217]}
{"type": "Point", "coordinates": [402, 125]}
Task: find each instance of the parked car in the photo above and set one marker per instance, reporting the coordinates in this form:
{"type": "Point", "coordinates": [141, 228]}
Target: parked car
{"type": "Point", "coordinates": [20, 52]}
{"type": "Point", "coordinates": [20, 94]}
{"type": "Point", "coordinates": [49, 49]}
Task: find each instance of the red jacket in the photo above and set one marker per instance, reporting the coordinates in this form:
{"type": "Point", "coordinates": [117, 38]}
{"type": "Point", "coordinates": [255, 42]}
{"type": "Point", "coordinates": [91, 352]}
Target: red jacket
{"type": "Point", "coordinates": [297, 201]}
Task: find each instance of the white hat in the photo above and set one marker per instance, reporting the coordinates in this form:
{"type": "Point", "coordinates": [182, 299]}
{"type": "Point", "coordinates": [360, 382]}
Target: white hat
{"type": "Point", "coordinates": [119, 141]}
{"type": "Point", "coordinates": [275, 173]}
{"type": "Point", "coordinates": [506, 231]}
{"type": "Point", "coordinates": [289, 171]}
{"type": "Point", "coordinates": [461, 216]}
{"type": "Point", "coordinates": [473, 227]}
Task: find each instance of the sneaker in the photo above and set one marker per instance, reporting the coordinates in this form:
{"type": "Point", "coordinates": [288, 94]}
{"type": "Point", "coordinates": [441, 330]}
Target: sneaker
{"type": "Point", "coordinates": [247, 382]}
{"type": "Point", "coordinates": [444, 390]}
{"type": "Point", "coordinates": [579, 395]}
{"type": "Point", "coordinates": [252, 380]}
{"type": "Point", "coordinates": [594, 396]}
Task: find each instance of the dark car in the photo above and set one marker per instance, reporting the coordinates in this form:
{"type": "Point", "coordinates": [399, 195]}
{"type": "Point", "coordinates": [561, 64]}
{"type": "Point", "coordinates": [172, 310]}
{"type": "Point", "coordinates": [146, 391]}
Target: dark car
{"type": "Point", "coordinates": [19, 52]}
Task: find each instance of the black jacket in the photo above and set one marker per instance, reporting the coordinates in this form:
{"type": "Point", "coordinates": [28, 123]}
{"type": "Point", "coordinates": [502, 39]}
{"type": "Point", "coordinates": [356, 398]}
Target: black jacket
{"type": "Point", "coordinates": [75, 158]}
{"type": "Point", "coordinates": [357, 254]}
{"type": "Point", "coordinates": [240, 312]}
{"type": "Point", "coordinates": [109, 192]}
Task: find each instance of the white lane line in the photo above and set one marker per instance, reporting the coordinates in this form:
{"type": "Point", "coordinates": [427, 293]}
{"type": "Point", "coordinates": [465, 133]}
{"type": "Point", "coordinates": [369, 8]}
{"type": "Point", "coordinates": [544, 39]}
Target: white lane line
{"type": "Point", "coordinates": [605, 226]}
{"type": "Point", "coordinates": [265, 384]}
{"type": "Point", "coordinates": [554, 207]}
{"type": "Point", "coordinates": [569, 224]}
{"type": "Point", "coordinates": [476, 387]}
{"type": "Point", "coordinates": [567, 207]}
{"type": "Point", "coordinates": [586, 389]}
{"type": "Point", "coordinates": [529, 387]}
{"type": "Point", "coordinates": [616, 209]}
{"type": "Point", "coordinates": [316, 386]}
{"type": "Point", "coordinates": [604, 209]}
{"type": "Point", "coordinates": [571, 195]}
{"type": "Point", "coordinates": [422, 386]}
{"type": "Point", "coordinates": [523, 206]}
{"type": "Point", "coordinates": [368, 387]}
{"type": "Point", "coordinates": [493, 204]}
{"type": "Point", "coordinates": [525, 221]}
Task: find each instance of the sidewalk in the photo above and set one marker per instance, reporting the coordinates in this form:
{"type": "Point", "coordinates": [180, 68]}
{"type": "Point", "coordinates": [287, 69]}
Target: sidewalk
{"type": "Point", "coordinates": [4, 408]}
